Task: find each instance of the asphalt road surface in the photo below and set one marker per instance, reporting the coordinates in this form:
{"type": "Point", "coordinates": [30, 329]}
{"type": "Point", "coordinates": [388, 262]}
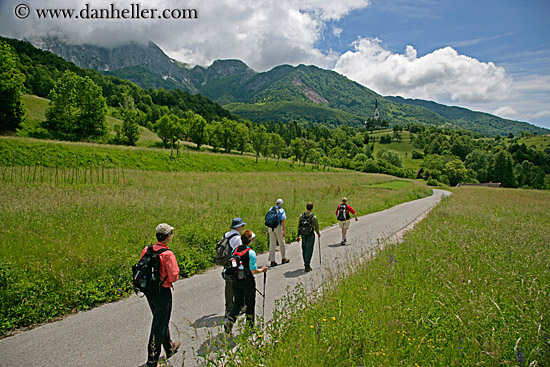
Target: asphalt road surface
{"type": "Point", "coordinates": [116, 334]}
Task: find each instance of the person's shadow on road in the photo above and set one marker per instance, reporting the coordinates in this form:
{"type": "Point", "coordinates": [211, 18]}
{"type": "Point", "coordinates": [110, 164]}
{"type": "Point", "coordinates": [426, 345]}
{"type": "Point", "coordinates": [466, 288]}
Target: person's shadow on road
{"type": "Point", "coordinates": [294, 274]}
{"type": "Point", "coordinates": [208, 321]}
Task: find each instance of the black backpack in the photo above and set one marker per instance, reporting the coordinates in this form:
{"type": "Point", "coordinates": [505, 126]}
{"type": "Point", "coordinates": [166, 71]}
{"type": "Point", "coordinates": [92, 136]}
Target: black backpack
{"type": "Point", "coordinates": [272, 218]}
{"type": "Point", "coordinates": [223, 250]}
{"type": "Point", "coordinates": [146, 276]}
{"type": "Point", "coordinates": [342, 212]}
{"type": "Point", "coordinates": [234, 269]}
{"type": "Point", "coordinates": [305, 227]}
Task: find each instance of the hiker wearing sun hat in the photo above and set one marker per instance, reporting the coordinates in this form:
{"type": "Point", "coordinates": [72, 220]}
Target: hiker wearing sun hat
{"type": "Point", "coordinates": [161, 303]}
{"type": "Point", "coordinates": [234, 239]}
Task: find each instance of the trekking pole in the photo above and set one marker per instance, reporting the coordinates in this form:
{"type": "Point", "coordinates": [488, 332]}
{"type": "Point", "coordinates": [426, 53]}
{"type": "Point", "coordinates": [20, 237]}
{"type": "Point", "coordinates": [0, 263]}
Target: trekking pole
{"type": "Point", "coordinates": [319, 251]}
{"type": "Point", "coordinates": [263, 305]}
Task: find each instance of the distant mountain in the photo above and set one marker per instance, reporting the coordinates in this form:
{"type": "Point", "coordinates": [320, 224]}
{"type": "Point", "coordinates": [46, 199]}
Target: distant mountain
{"type": "Point", "coordinates": [306, 94]}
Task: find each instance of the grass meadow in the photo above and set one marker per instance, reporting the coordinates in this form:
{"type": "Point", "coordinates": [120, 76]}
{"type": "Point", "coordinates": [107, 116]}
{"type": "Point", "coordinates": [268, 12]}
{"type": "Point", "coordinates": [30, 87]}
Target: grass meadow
{"type": "Point", "coordinates": [469, 286]}
{"type": "Point", "coordinates": [31, 153]}
{"type": "Point", "coordinates": [70, 247]}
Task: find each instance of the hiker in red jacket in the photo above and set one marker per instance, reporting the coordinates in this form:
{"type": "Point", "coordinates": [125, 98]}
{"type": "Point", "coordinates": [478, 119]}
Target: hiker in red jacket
{"type": "Point", "coordinates": [343, 215]}
{"type": "Point", "coordinates": [161, 302]}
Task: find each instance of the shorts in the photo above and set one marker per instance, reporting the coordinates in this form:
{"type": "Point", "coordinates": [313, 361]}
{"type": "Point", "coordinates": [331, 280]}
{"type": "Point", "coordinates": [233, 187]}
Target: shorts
{"type": "Point", "coordinates": [344, 224]}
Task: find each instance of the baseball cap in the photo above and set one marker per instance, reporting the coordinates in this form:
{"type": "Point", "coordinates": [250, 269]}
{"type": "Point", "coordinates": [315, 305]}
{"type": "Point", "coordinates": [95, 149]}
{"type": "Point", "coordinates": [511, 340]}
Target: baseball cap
{"type": "Point", "coordinates": [164, 228]}
{"type": "Point", "coordinates": [344, 199]}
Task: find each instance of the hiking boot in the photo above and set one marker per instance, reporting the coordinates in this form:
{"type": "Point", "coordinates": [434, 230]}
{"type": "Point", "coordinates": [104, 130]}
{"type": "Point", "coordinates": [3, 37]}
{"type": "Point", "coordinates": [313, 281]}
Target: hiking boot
{"type": "Point", "coordinates": [307, 269]}
{"type": "Point", "coordinates": [273, 263]}
{"type": "Point", "coordinates": [173, 349]}
{"type": "Point", "coordinates": [285, 261]}
{"type": "Point", "coordinates": [343, 243]}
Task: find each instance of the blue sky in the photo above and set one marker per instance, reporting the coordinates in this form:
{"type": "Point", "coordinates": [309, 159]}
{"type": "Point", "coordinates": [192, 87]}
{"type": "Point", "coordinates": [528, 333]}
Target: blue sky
{"type": "Point", "coordinates": [514, 34]}
{"type": "Point", "coordinates": [486, 55]}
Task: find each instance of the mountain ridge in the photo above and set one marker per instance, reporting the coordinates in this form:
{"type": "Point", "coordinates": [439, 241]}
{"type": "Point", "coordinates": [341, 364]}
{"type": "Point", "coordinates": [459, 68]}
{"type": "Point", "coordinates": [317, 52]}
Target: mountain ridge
{"type": "Point", "coordinates": [324, 96]}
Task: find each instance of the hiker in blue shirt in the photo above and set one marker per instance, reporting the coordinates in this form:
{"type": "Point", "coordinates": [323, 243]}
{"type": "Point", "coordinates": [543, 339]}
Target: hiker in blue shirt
{"type": "Point", "coordinates": [277, 235]}
{"type": "Point", "coordinates": [245, 289]}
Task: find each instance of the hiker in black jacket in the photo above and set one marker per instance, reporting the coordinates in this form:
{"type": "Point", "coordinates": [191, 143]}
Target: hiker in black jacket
{"type": "Point", "coordinates": [234, 236]}
{"type": "Point", "coordinates": [308, 225]}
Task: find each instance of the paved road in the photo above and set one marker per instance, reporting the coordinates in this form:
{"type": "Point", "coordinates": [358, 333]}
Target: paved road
{"type": "Point", "coordinates": [116, 334]}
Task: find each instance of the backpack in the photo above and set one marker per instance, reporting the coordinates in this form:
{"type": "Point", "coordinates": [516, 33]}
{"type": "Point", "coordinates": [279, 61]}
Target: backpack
{"type": "Point", "coordinates": [305, 227]}
{"type": "Point", "coordinates": [272, 218]}
{"type": "Point", "coordinates": [223, 250]}
{"type": "Point", "coordinates": [342, 212]}
{"type": "Point", "coordinates": [146, 275]}
{"type": "Point", "coordinates": [234, 269]}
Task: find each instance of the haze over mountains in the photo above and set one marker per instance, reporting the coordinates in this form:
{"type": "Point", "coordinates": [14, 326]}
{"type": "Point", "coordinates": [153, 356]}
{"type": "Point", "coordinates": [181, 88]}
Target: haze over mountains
{"type": "Point", "coordinates": [307, 94]}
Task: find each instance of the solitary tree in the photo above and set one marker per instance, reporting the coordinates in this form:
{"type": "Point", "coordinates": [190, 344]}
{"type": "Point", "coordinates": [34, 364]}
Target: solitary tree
{"type": "Point", "coordinates": [259, 139]}
{"type": "Point", "coordinates": [170, 128]}
{"type": "Point", "coordinates": [128, 133]}
{"type": "Point", "coordinates": [277, 145]}
{"type": "Point", "coordinates": [242, 136]}
{"type": "Point", "coordinates": [197, 129]}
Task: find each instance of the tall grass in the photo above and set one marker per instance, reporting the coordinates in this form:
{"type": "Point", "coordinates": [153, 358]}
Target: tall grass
{"type": "Point", "coordinates": [470, 286]}
{"type": "Point", "coordinates": [70, 247]}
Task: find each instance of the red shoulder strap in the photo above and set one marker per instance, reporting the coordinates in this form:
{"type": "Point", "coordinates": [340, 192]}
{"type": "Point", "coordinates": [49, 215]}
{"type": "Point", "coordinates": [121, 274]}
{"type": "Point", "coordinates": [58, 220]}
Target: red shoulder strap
{"type": "Point", "coordinates": [241, 253]}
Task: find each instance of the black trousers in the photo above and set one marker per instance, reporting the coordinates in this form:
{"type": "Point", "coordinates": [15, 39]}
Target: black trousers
{"type": "Point", "coordinates": [245, 294]}
{"type": "Point", "coordinates": [161, 307]}
{"type": "Point", "coordinates": [308, 243]}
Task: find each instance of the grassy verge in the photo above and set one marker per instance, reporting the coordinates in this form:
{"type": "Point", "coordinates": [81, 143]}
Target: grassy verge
{"type": "Point", "coordinates": [70, 247]}
{"type": "Point", "coordinates": [469, 286]}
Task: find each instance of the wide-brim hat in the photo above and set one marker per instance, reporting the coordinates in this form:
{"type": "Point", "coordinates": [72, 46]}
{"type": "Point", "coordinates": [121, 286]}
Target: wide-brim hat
{"type": "Point", "coordinates": [236, 223]}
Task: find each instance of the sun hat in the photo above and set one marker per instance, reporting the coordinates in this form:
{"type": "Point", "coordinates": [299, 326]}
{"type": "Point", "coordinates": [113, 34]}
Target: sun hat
{"type": "Point", "coordinates": [247, 236]}
{"type": "Point", "coordinates": [164, 228]}
{"type": "Point", "coordinates": [279, 202]}
{"type": "Point", "coordinates": [237, 222]}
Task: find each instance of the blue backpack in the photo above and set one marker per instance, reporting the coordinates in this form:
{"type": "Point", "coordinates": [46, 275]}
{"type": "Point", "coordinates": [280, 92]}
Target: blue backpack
{"type": "Point", "coordinates": [272, 218]}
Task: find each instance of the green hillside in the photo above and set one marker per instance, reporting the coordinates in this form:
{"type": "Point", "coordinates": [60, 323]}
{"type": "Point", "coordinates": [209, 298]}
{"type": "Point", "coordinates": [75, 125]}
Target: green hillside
{"type": "Point", "coordinates": [484, 123]}
{"type": "Point", "coordinates": [313, 95]}
{"type": "Point", "coordinates": [306, 113]}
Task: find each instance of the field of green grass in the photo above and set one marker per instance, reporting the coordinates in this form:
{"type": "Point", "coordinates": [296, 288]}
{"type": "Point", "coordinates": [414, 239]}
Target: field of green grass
{"type": "Point", "coordinates": [469, 286]}
{"type": "Point", "coordinates": [70, 246]}
{"type": "Point", "coordinates": [32, 152]}
{"type": "Point", "coordinates": [404, 148]}
{"type": "Point", "coordinates": [35, 107]}
{"type": "Point", "coordinates": [537, 142]}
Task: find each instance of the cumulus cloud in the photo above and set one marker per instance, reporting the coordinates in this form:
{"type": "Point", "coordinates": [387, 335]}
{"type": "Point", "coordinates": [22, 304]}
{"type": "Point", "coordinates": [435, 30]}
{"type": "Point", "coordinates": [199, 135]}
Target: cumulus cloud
{"type": "Point", "coordinates": [262, 33]}
{"type": "Point", "coordinates": [443, 74]}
